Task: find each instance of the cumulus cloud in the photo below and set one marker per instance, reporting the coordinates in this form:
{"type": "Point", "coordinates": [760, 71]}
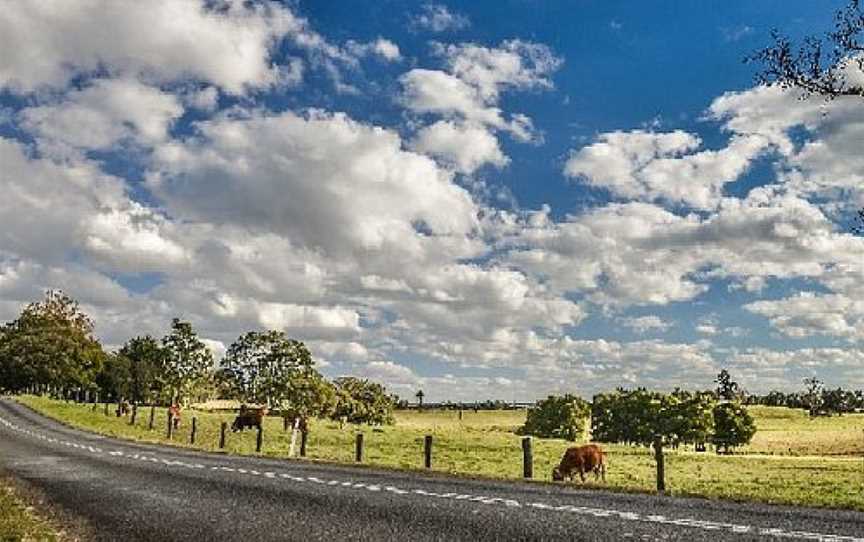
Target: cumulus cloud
{"type": "Point", "coordinates": [322, 180]}
{"type": "Point", "coordinates": [807, 314]}
{"type": "Point", "coordinates": [227, 45]}
{"type": "Point", "coordinates": [465, 147]}
{"type": "Point", "coordinates": [661, 166]}
{"type": "Point", "coordinates": [516, 64]}
{"type": "Point", "coordinates": [466, 95]}
{"type": "Point", "coordinates": [643, 254]}
{"type": "Point", "coordinates": [105, 113]}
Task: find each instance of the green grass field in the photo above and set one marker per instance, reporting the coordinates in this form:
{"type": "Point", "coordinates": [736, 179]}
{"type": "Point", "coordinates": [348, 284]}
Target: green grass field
{"type": "Point", "coordinates": [777, 467]}
{"type": "Point", "coordinates": [18, 521]}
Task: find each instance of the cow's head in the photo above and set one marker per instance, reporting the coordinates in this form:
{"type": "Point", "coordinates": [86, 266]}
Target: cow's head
{"type": "Point", "coordinates": [557, 476]}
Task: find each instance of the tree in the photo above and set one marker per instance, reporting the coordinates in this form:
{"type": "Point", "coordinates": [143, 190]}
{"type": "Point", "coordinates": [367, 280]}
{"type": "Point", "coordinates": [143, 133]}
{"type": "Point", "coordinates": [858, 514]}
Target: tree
{"type": "Point", "coordinates": [50, 344]}
{"type": "Point", "coordinates": [733, 426]}
{"type": "Point", "coordinates": [146, 367]}
{"type": "Point", "coordinates": [115, 377]}
{"type": "Point", "coordinates": [188, 361]}
{"type": "Point", "coordinates": [361, 401]}
{"type": "Point", "coordinates": [557, 417]}
{"type": "Point", "coordinates": [813, 395]}
{"type": "Point", "coordinates": [819, 65]}
{"type": "Point", "coordinates": [727, 389]}
{"type": "Point", "coordinates": [638, 416]}
{"type": "Point", "coordinates": [269, 368]}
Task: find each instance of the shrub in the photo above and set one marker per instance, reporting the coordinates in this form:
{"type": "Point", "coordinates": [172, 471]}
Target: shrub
{"type": "Point", "coordinates": [557, 417]}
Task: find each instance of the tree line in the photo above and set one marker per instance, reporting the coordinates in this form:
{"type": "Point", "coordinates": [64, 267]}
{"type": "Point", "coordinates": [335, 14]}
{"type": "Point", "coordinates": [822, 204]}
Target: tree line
{"type": "Point", "coordinates": [815, 398]}
{"type": "Point", "coordinates": [51, 348]}
{"type": "Point", "coordinates": [643, 417]}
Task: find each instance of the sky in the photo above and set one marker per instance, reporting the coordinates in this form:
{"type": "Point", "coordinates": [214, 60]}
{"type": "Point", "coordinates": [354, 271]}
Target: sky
{"type": "Point", "coordinates": [482, 200]}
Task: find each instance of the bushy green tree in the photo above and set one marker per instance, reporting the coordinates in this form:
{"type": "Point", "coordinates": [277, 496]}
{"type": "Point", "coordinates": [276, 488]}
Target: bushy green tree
{"type": "Point", "coordinates": [269, 368]}
{"type": "Point", "coordinates": [50, 344]}
{"type": "Point", "coordinates": [188, 361]}
{"type": "Point", "coordinates": [637, 416]}
{"type": "Point", "coordinates": [557, 416]}
{"type": "Point", "coordinates": [115, 378]}
{"type": "Point", "coordinates": [733, 426]}
{"type": "Point", "coordinates": [687, 417]}
{"type": "Point", "coordinates": [146, 368]}
{"type": "Point", "coordinates": [360, 401]}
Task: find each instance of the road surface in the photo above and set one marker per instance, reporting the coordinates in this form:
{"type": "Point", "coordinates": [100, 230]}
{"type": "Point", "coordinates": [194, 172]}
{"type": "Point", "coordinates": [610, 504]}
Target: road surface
{"type": "Point", "coordinates": [128, 491]}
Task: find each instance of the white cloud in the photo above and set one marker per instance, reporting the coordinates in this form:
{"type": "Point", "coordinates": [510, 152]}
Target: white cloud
{"type": "Point", "coordinates": [807, 314]}
{"type": "Point", "coordinates": [165, 40]}
{"type": "Point", "coordinates": [661, 166]}
{"type": "Point", "coordinates": [516, 64]}
{"type": "Point", "coordinates": [438, 18]}
{"type": "Point", "coordinates": [465, 147]}
{"type": "Point", "coordinates": [105, 113]}
{"type": "Point", "coordinates": [323, 181]}
{"type": "Point", "coordinates": [46, 204]}
{"type": "Point", "coordinates": [382, 48]}
{"type": "Point", "coordinates": [467, 96]}
{"type": "Point", "coordinates": [433, 91]}
{"type": "Point", "coordinates": [638, 253]}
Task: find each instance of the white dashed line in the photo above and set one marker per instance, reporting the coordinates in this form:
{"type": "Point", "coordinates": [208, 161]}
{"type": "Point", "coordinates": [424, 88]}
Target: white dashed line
{"type": "Point", "coordinates": [774, 532]}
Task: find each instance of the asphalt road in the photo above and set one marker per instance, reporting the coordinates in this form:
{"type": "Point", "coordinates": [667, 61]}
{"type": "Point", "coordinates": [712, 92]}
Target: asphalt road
{"type": "Point", "coordinates": [127, 491]}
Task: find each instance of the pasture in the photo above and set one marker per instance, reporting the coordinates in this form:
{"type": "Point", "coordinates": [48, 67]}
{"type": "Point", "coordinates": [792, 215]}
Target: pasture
{"type": "Point", "coordinates": [792, 459]}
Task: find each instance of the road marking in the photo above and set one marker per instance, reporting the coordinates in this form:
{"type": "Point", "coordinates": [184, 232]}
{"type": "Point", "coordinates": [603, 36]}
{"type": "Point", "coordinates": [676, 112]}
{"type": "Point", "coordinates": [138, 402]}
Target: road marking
{"type": "Point", "coordinates": [692, 523]}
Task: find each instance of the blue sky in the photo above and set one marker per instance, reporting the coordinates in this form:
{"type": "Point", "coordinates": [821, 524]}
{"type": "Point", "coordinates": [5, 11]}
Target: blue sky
{"type": "Point", "coordinates": [483, 200]}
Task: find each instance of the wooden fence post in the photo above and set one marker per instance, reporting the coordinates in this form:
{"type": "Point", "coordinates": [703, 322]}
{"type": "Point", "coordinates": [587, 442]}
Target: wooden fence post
{"type": "Point", "coordinates": [527, 458]}
{"type": "Point", "coordinates": [170, 425]}
{"type": "Point", "coordinates": [134, 414]}
{"type": "Point", "coordinates": [358, 448]}
{"type": "Point", "coordinates": [293, 437]}
{"type": "Point", "coordinates": [194, 430]}
{"type": "Point", "coordinates": [427, 451]}
{"type": "Point", "coordinates": [303, 436]}
{"type": "Point", "coordinates": [460, 414]}
{"type": "Point", "coordinates": [658, 457]}
{"type": "Point", "coordinates": [259, 439]}
{"type": "Point", "coordinates": [222, 429]}
{"type": "Point", "coordinates": [152, 417]}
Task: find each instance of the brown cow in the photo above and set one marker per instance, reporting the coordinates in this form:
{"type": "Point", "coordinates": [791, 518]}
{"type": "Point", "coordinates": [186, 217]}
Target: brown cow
{"type": "Point", "coordinates": [248, 417]}
{"type": "Point", "coordinates": [581, 459]}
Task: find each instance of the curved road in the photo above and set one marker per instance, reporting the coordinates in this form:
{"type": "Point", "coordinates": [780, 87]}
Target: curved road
{"type": "Point", "coordinates": [128, 491]}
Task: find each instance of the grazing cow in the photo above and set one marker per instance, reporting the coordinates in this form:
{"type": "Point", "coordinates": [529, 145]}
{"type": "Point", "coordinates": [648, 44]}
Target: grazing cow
{"type": "Point", "coordinates": [581, 459]}
{"type": "Point", "coordinates": [174, 410]}
{"type": "Point", "coordinates": [248, 418]}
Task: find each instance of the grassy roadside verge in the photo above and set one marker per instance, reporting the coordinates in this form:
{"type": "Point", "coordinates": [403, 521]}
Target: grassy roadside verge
{"type": "Point", "coordinates": [19, 521]}
{"type": "Point", "coordinates": [483, 445]}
